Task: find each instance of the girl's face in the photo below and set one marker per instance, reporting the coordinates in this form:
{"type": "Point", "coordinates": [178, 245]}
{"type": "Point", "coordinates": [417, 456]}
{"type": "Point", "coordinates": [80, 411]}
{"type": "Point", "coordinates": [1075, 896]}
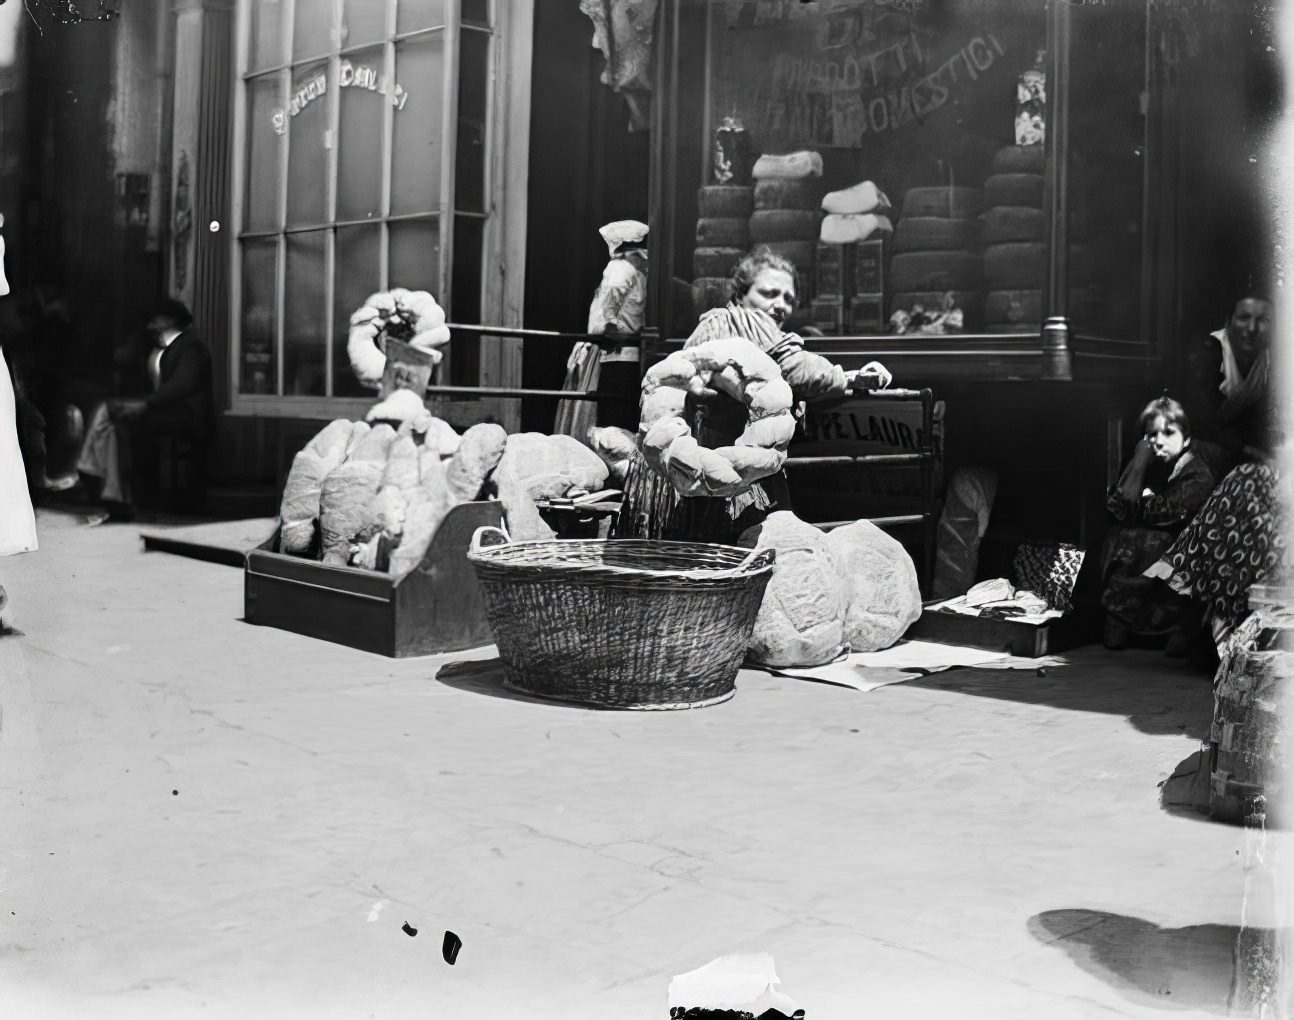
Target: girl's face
{"type": "Point", "coordinates": [773, 291]}
{"type": "Point", "coordinates": [1165, 439]}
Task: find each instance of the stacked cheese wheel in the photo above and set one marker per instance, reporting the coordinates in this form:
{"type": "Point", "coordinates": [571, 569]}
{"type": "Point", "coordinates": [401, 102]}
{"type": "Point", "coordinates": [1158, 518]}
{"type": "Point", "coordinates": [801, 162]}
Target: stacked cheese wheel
{"type": "Point", "coordinates": [787, 215]}
{"type": "Point", "coordinates": [936, 247]}
{"type": "Point", "coordinates": [722, 236]}
{"type": "Point", "coordinates": [732, 366]}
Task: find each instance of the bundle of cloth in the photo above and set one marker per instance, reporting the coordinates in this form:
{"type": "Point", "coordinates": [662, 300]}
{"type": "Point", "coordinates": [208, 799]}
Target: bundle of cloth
{"type": "Point", "coordinates": [855, 214]}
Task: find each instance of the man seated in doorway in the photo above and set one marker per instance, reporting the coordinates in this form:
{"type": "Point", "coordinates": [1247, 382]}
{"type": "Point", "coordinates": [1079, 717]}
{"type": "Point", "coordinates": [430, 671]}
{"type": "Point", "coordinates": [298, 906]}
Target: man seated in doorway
{"type": "Point", "coordinates": [122, 442]}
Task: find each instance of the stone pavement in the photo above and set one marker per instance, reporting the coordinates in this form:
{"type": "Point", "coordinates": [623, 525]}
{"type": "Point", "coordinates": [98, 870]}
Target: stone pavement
{"type": "Point", "coordinates": [203, 817]}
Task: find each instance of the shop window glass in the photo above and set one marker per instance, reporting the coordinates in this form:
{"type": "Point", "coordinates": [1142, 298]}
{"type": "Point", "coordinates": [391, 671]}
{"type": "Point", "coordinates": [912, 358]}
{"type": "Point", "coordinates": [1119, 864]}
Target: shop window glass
{"type": "Point", "coordinates": [265, 120]}
{"type": "Point", "coordinates": [346, 229]}
{"type": "Point", "coordinates": [308, 146]}
{"type": "Point", "coordinates": [362, 21]}
{"type": "Point", "coordinates": [416, 15]}
{"type": "Point", "coordinates": [418, 130]}
{"type": "Point", "coordinates": [258, 369]}
{"type": "Point", "coordinates": [414, 260]}
{"type": "Point", "coordinates": [312, 28]}
{"type": "Point", "coordinates": [359, 150]}
{"type": "Point", "coordinates": [914, 102]}
{"type": "Point", "coordinates": [1107, 153]}
{"type": "Point", "coordinates": [476, 12]}
{"type": "Point", "coordinates": [267, 33]}
{"type": "Point", "coordinates": [473, 83]}
{"type": "Point", "coordinates": [358, 274]}
{"type": "Point", "coordinates": [305, 323]}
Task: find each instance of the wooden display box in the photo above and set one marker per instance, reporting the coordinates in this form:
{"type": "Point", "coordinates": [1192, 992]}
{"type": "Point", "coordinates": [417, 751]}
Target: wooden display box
{"type": "Point", "coordinates": [435, 608]}
{"type": "Point", "coordinates": [1028, 640]}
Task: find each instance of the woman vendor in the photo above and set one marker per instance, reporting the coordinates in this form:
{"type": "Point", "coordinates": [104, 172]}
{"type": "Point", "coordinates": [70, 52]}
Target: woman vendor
{"type": "Point", "coordinates": [1238, 537]}
{"type": "Point", "coordinates": [1230, 376]}
{"type": "Point", "coordinates": [764, 290]}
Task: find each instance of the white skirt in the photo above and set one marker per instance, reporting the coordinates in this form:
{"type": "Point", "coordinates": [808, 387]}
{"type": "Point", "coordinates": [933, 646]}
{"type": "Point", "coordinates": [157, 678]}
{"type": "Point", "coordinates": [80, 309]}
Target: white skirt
{"type": "Point", "coordinates": [17, 520]}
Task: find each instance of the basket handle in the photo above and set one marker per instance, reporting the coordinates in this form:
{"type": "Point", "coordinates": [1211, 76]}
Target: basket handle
{"type": "Point", "coordinates": [498, 536]}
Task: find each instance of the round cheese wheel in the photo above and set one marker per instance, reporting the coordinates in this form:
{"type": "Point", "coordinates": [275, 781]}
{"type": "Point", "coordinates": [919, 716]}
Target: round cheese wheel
{"type": "Point", "coordinates": [802, 254]}
{"type": "Point", "coordinates": [934, 233]}
{"type": "Point", "coordinates": [783, 194]}
{"type": "Point", "coordinates": [725, 200]}
{"type": "Point", "coordinates": [1019, 159]}
{"type": "Point", "coordinates": [784, 225]}
{"type": "Point", "coordinates": [710, 292]}
{"type": "Point", "coordinates": [934, 270]}
{"type": "Point", "coordinates": [1017, 265]}
{"type": "Point", "coordinates": [1014, 189]}
{"type": "Point", "coordinates": [714, 261]}
{"type": "Point", "coordinates": [1020, 306]}
{"type": "Point", "coordinates": [1013, 223]}
{"type": "Point", "coordinates": [722, 232]}
{"type": "Point", "coordinates": [955, 202]}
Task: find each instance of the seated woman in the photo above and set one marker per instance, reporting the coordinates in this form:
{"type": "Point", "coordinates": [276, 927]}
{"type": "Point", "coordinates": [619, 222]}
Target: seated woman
{"type": "Point", "coordinates": [1238, 537]}
{"type": "Point", "coordinates": [1161, 488]}
{"type": "Point", "coordinates": [1229, 376]}
{"type": "Point", "coordinates": [764, 289]}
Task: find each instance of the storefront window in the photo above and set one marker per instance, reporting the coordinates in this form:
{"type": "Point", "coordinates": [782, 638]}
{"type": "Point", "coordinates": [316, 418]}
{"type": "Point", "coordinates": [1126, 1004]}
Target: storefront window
{"type": "Point", "coordinates": [898, 154]}
{"type": "Point", "coordinates": [346, 183]}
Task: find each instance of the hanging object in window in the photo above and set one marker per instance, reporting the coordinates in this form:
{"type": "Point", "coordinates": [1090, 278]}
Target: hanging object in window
{"type": "Point", "coordinates": [394, 344]}
{"type": "Point", "coordinates": [1031, 104]}
{"type": "Point", "coordinates": [71, 12]}
{"type": "Point", "coordinates": [623, 31]}
{"type": "Point", "coordinates": [733, 158]}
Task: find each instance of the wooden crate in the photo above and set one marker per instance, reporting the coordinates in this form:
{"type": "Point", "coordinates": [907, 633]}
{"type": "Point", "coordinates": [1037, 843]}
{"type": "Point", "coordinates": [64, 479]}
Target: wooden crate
{"type": "Point", "coordinates": [435, 608]}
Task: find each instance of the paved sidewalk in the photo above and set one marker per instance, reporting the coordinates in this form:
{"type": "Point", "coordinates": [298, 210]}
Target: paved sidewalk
{"type": "Point", "coordinates": [203, 817]}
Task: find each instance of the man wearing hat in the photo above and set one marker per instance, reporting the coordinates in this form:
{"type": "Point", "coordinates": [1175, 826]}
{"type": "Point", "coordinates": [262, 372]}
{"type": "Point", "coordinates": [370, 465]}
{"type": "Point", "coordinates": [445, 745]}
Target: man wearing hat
{"type": "Point", "coordinates": [617, 313]}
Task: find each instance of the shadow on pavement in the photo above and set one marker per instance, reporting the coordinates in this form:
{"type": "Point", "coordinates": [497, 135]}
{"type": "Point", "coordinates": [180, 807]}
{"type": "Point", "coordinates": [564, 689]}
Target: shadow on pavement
{"type": "Point", "coordinates": [1158, 696]}
{"type": "Point", "coordinates": [1219, 968]}
{"type": "Point", "coordinates": [485, 676]}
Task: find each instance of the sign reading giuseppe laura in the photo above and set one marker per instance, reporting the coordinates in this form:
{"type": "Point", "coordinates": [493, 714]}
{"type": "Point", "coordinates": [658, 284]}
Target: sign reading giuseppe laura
{"type": "Point", "coordinates": [359, 76]}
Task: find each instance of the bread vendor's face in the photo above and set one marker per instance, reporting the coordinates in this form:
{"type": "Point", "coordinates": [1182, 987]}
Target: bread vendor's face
{"type": "Point", "coordinates": [773, 292]}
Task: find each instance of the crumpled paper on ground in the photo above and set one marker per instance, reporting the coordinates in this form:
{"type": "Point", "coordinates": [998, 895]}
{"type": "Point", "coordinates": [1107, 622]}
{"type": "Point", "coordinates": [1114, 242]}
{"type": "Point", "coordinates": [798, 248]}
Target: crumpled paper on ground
{"type": "Point", "coordinates": [906, 660]}
{"type": "Point", "coordinates": [740, 981]}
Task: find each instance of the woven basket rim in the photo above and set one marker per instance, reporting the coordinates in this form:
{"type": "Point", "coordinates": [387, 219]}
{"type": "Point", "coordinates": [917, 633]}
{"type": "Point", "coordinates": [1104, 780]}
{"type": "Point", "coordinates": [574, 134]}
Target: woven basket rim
{"type": "Point", "coordinates": [499, 556]}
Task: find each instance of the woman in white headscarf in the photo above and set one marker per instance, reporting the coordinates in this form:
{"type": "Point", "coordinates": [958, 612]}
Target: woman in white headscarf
{"type": "Point", "coordinates": [17, 520]}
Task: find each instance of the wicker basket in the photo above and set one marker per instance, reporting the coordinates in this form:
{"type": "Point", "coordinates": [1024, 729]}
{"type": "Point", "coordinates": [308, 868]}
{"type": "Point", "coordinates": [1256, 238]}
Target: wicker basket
{"type": "Point", "coordinates": [620, 624]}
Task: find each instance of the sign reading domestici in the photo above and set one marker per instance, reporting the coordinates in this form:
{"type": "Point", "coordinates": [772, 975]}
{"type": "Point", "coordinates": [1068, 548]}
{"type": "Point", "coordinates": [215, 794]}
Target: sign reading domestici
{"type": "Point", "coordinates": [349, 75]}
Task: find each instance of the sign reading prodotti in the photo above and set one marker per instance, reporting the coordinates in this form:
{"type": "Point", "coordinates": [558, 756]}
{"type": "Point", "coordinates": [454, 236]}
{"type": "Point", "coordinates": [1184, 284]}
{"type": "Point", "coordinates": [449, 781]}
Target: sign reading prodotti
{"type": "Point", "coordinates": [358, 76]}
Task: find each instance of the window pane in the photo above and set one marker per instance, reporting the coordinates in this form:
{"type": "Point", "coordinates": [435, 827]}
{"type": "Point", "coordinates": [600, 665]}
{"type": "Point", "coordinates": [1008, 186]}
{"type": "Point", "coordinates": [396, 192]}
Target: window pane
{"type": "Point", "coordinates": [414, 260]}
{"type": "Point", "coordinates": [913, 101]}
{"type": "Point", "coordinates": [473, 76]}
{"type": "Point", "coordinates": [267, 33]}
{"type": "Point", "coordinates": [412, 15]}
{"type": "Point", "coordinates": [258, 373]}
{"type": "Point", "coordinates": [357, 276]}
{"type": "Point", "coordinates": [363, 21]}
{"type": "Point", "coordinates": [1107, 152]}
{"type": "Point", "coordinates": [266, 127]}
{"type": "Point", "coordinates": [465, 365]}
{"type": "Point", "coordinates": [305, 322]}
{"type": "Point", "coordinates": [476, 12]}
{"type": "Point", "coordinates": [308, 153]}
{"type": "Point", "coordinates": [312, 28]}
{"type": "Point", "coordinates": [359, 153]}
{"type": "Point", "coordinates": [415, 171]}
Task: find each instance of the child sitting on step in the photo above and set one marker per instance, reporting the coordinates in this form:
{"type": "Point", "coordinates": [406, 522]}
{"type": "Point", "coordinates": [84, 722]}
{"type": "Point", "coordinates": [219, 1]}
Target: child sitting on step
{"type": "Point", "coordinates": [1161, 488]}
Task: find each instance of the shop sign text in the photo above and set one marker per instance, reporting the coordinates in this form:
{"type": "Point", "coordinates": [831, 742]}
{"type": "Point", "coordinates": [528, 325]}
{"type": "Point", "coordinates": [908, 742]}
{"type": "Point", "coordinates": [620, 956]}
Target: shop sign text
{"type": "Point", "coordinates": [349, 75]}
